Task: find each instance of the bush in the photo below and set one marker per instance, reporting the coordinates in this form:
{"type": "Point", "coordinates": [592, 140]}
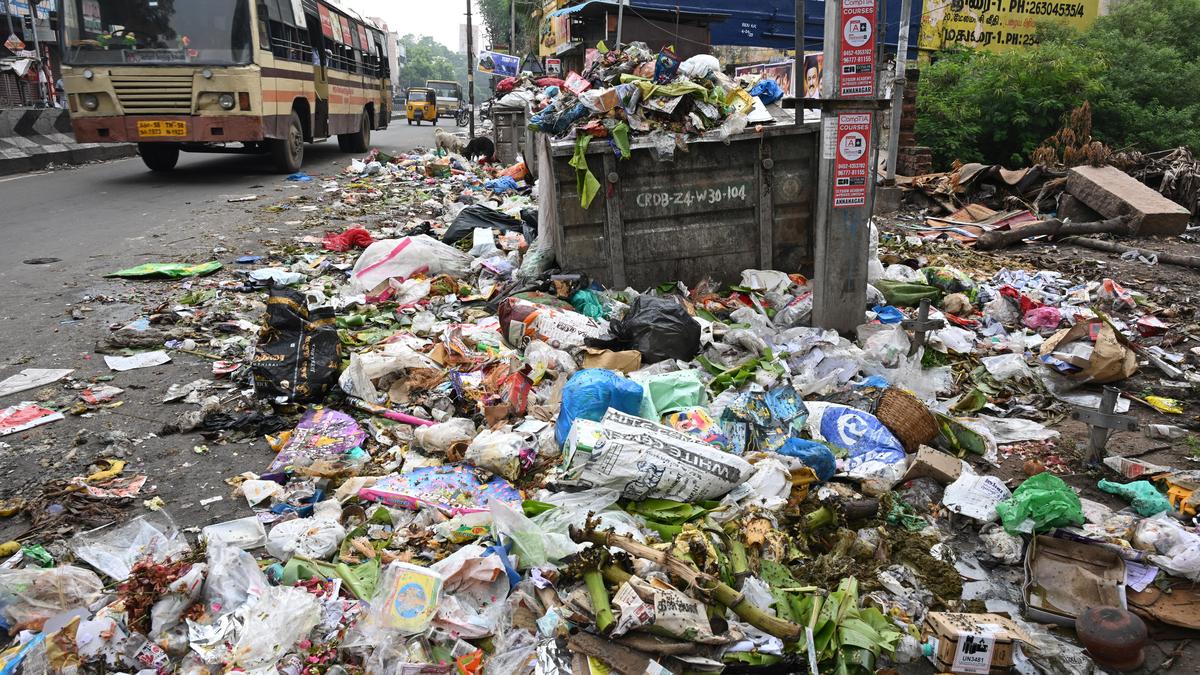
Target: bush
{"type": "Point", "coordinates": [1139, 67]}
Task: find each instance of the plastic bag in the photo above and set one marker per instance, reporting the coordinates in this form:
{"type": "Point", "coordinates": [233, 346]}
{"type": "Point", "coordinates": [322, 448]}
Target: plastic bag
{"type": "Point", "coordinates": [316, 537]}
{"type": "Point", "coordinates": [767, 90]}
{"type": "Point", "coordinates": [587, 302]}
{"type": "Point", "coordinates": [479, 216]}
{"type": "Point", "coordinates": [950, 280]}
{"type": "Point", "coordinates": [699, 66]}
{"type": "Point", "coordinates": [668, 392]}
{"type": "Point", "coordinates": [233, 578]}
{"type": "Point", "coordinates": [1040, 503]}
{"type": "Point", "coordinates": [114, 549]}
{"type": "Point", "coordinates": [1142, 495]}
{"type": "Point", "coordinates": [372, 372]}
{"type": "Point", "coordinates": [1178, 550]}
{"type": "Point", "coordinates": [283, 616]}
{"type": "Point", "coordinates": [815, 455]}
{"type": "Point", "coordinates": [543, 358]}
{"type": "Point", "coordinates": [659, 328]}
{"type": "Point", "coordinates": [438, 438]}
{"type": "Point", "coordinates": [1042, 318]}
{"type": "Point", "coordinates": [30, 596]}
{"type": "Point", "coordinates": [505, 453]}
{"type": "Point", "coordinates": [298, 354]}
{"type": "Point", "coordinates": [533, 546]}
{"type": "Point", "coordinates": [402, 258]}
{"type": "Point", "coordinates": [590, 393]}
{"type": "Point", "coordinates": [180, 595]}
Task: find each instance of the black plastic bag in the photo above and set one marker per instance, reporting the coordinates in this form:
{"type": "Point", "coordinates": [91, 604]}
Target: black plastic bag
{"type": "Point", "coordinates": [298, 354]}
{"type": "Point", "coordinates": [659, 328]}
{"type": "Point", "coordinates": [478, 215]}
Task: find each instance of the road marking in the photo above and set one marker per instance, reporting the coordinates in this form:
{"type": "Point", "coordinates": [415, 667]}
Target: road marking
{"type": "Point", "coordinates": [26, 175]}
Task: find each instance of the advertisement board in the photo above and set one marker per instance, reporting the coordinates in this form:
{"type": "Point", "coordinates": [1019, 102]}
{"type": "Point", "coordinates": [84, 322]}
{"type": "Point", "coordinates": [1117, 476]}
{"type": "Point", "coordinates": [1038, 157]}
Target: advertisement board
{"type": "Point", "coordinates": [998, 25]}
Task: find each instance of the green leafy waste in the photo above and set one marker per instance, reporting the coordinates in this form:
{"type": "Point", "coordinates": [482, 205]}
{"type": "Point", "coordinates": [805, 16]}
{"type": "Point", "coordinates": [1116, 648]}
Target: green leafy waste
{"type": "Point", "coordinates": [846, 637]}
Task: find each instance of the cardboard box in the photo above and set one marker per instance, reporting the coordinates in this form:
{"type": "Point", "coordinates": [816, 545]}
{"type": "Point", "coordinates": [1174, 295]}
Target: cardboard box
{"type": "Point", "coordinates": [929, 463]}
{"type": "Point", "coordinates": [971, 643]}
{"type": "Point", "coordinates": [1065, 577]}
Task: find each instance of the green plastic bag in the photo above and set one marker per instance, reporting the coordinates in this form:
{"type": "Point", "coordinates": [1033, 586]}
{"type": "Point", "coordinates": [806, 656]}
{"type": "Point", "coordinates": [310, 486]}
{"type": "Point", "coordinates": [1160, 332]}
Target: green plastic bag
{"type": "Point", "coordinates": [1142, 495]}
{"type": "Point", "coordinates": [903, 294]}
{"type": "Point", "coordinates": [587, 303]}
{"type": "Point", "coordinates": [585, 181]}
{"type": "Point", "coordinates": [950, 280]}
{"type": "Point", "coordinates": [1046, 500]}
{"type": "Point", "coordinates": [167, 270]}
{"type": "Point", "coordinates": [670, 392]}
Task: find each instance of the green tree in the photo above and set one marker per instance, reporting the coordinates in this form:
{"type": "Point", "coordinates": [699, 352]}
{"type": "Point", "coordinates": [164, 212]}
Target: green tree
{"type": "Point", "coordinates": [496, 18]}
{"type": "Point", "coordinates": [428, 59]}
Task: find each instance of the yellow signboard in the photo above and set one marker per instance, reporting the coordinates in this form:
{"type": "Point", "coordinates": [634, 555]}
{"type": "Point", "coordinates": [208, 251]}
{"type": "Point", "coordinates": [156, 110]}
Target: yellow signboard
{"type": "Point", "coordinates": [555, 31]}
{"type": "Point", "coordinates": [998, 25]}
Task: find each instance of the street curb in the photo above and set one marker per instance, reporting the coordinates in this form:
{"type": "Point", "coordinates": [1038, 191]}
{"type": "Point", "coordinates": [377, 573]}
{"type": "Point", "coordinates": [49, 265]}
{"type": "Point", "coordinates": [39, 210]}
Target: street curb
{"type": "Point", "coordinates": [31, 139]}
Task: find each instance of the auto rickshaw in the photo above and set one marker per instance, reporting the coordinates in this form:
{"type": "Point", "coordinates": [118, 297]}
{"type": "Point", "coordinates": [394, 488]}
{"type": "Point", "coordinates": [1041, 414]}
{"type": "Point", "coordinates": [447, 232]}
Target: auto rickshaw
{"type": "Point", "coordinates": [421, 105]}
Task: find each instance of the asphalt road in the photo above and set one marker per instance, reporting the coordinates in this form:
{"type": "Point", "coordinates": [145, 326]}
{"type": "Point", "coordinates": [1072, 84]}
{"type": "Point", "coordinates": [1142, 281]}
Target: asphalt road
{"type": "Point", "coordinates": [84, 222]}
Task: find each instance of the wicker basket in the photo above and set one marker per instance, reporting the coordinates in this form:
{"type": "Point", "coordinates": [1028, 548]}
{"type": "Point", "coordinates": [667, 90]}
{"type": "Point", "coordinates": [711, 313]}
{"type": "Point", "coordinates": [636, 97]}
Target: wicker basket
{"type": "Point", "coordinates": [906, 417]}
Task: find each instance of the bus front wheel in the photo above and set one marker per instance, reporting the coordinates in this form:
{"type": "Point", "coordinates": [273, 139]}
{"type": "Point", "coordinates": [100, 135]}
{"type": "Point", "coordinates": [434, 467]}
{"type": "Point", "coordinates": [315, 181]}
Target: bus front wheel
{"type": "Point", "coordinates": [288, 153]}
{"type": "Point", "coordinates": [159, 156]}
{"type": "Point", "coordinates": [359, 141]}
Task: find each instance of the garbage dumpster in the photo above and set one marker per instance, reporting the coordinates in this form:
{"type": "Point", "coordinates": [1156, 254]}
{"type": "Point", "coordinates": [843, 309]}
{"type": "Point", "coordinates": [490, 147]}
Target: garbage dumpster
{"type": "Point", "coordinates": [513, 136]}
{"type": "Point", "coordinates": [713, 211]}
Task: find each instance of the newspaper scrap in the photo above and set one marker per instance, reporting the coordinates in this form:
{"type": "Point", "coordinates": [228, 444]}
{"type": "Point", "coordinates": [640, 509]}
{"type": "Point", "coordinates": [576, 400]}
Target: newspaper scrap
{"type": "Point", "coordinates": [647, 460]}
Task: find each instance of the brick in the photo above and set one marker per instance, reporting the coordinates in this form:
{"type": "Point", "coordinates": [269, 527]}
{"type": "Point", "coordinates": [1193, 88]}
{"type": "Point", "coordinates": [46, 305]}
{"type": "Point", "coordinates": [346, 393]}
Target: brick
{"type": "Point", "coordinates": [1111, 193]}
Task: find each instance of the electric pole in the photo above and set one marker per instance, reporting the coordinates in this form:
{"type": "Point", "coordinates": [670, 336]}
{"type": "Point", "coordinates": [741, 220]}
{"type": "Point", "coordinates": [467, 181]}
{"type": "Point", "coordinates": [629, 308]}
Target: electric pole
{"type": "Point", "coordinates": [471, 67]}
{"type": "Point", "coordinates": [512, 29]}
{"type": "Point", "coordinates": [901, 83]}
{"type": "Point", "coordinates": [620, 21]}
{"type": "Point", "coordinates": [8, 15]}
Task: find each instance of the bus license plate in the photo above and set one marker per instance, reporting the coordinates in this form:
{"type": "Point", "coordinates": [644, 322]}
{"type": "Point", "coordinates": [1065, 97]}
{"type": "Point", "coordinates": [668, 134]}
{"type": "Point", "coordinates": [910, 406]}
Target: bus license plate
{"type": "Point", "coordinates": [151, 128]}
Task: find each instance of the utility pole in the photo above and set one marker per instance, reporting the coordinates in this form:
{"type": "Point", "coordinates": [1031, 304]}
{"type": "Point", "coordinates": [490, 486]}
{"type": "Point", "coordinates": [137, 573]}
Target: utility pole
{"type": "Point", "coordinates": [37, 49]}
{"type": "Point", "coordinates": [512, 28]}
{"type": "Point", "coordinates": [8, 15]}
{"type": "Point", "coordinates": [471, 67]}
{"type": "Point", "coordinates": [898, 91]}
{"type": "Point", "coordinates": [846, 183]}
{"type": "Point", "coordinates": [620, 21]}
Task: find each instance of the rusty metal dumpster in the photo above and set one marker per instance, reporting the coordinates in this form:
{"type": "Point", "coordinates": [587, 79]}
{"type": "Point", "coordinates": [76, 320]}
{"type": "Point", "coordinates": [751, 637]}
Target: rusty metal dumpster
{"type": "Point", "coordinates": [513, 136]}
{"type": "Point", "coordinates": [714, 211]}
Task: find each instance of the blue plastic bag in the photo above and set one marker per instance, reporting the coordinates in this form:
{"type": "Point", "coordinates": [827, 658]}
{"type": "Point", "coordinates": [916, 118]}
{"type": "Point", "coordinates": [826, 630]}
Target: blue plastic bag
{"type": "Point", "coordinates": [501, 185]}
{"type": "Point", "coordinates": [815, 455]}
{"type": "Point", "coordinates": [767, 91]}
{"type": "Point", "coordinates": [865, 438]}
{"type": "Point", "coordinates": [888, 314]}
{"type": "Point", "coordinates": [590, 393]}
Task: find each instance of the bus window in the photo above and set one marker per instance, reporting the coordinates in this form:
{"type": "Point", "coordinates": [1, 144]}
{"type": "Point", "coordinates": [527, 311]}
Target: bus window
{"type": "Point", "coordinates": [215, 32]}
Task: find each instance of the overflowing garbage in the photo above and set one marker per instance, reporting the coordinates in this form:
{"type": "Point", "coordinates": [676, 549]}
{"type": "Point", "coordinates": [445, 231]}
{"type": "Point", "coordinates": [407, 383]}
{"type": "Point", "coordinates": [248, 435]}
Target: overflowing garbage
{"type": "Point", "coordinates": [484, 464]}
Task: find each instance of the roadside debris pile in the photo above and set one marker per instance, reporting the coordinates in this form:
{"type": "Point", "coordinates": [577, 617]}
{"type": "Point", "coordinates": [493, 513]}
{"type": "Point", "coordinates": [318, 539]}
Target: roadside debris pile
{"type": "Point", "coordinates": [482, 464]}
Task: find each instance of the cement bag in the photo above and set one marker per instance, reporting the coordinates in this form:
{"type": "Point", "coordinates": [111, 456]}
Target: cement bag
{"type": "Point", "coordinates": [646, 460]}
{"type": "Point", "coordinates": [523, 322]}
{"type": "Point", "coordinates": [590, 393]}
{"type": "Point", "coordinates": [402, 258]}
{"type": "Point", "coordinates": [874, 451]}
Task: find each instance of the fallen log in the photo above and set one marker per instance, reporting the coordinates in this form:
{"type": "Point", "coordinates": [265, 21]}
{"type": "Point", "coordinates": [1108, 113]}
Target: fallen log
{"type": "Point", "coordinates": [1053, 228]}
{"type": "Point", "coordinates": [1113, 247]}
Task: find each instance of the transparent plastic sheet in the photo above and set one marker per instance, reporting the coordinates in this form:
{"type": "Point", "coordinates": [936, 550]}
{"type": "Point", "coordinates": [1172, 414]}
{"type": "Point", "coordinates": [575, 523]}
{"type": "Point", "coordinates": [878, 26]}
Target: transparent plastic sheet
{"type": "Point", "coordinates": [281, 617]}
{"type": "Point", "coordinates": [438, 438]}
{"type": "Point", "coordinates": [30, 596]}
{"type": "Point", "coordinates": [234, 578]}
{"type": "Point", "coordinates": [180, 595]}
{"type": "Point", "coordinates": [533, 546]}
{"type": "Point", "coordinates": [573, 508]}
{"type": "Point", "coordinates": [502, 452]}
{"type": "Point", "coordinates": [1176, 549]}
{"type": "Point", "coordinates": [114, 549]}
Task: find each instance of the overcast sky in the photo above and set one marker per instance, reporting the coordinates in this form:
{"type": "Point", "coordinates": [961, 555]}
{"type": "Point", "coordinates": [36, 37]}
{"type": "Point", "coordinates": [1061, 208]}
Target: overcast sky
{"type": "Point", "coordinates": [437, 18]}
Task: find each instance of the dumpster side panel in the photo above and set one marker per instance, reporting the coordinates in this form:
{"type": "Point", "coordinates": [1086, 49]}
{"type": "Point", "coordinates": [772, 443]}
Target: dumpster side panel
{"type": "Point", "coordinates": [509, 134]}
{"type": "Point", "coordinates": [712, 212]}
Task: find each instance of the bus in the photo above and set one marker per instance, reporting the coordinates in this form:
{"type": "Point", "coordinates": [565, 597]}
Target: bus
{"type": "Point", "coordinates": [450, 100]}
{"type": "Point", "coordinates": [251, 76]}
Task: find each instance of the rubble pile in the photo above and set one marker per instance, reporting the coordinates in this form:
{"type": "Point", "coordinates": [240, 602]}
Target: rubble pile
{"type": "Point", "coordinates": [481, 463]}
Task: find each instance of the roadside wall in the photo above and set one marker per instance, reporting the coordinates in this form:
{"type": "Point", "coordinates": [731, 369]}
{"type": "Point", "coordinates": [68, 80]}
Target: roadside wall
{"type": "Point", "coordinates": [31, 139]}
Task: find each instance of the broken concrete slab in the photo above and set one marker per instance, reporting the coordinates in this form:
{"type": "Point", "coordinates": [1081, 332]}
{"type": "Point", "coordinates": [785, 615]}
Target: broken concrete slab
{"type": "Point", "coordinates": [1070, 208]}
{"type": "Point", "coordinates": [1112, 192]}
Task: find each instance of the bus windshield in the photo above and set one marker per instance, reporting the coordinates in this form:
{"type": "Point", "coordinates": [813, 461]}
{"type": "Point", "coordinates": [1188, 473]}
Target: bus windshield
{"type": "Point", "coordinates": [444, 89]}
{"type": "Point", "coordinates": [210, 32]}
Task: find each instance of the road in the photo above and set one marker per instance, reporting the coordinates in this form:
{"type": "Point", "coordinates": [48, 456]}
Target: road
{"type": "Point", "coordinates": [87, 221]}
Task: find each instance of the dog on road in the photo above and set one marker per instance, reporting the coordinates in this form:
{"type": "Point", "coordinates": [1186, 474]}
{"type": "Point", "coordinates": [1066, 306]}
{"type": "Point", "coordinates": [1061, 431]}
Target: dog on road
{"type": "Point", "coordinates": [444, 140]}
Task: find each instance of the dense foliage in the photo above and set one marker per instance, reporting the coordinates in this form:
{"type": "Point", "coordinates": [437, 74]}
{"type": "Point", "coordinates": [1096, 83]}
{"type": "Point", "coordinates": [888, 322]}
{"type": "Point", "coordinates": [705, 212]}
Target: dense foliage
{"type": "Point", "coordinates": [1139, 67]}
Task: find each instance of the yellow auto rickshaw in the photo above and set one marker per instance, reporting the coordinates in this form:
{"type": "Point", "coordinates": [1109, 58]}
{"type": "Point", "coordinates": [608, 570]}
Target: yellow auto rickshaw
{"type": "Point", "coordinates": [421, 105]}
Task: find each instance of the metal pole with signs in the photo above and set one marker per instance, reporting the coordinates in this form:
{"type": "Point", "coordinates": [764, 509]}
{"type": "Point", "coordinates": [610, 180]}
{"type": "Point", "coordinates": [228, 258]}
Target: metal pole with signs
{"type": "Point", "coordinates": [846, 184]}
{"type": "Point", "coordinates": [37, 49]}
{"type": "Point", "coordinates": [620, 21]}
{"type": "Point", "coordinates": [901, 83]}
{"type": "Point", "coordinates": [12, 33]}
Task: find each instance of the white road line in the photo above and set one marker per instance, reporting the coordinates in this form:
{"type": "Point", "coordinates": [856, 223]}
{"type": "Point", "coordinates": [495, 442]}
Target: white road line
{"type": "Point", "coordinates": [25, 175]}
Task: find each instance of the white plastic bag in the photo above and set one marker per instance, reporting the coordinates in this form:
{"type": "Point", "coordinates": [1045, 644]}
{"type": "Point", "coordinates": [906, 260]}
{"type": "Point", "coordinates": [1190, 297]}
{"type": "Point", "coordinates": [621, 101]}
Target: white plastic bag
{"type": "Point", "coordinates": [316, 537]}
{"type": "Point", "coordinates": [499, 452]}
{"type": "Point", "coordinates": [699, 66]}
{"type": "Point", "coordinates": [180, 595]}
{"type": "Point", "coordinates": [438, 438]}
{"type": "Point", "coordinates": [371, 371]}
{"type": "Point", "coordinates": [401, 258]}
{"type": "Point", "coordinates": [533, 546]}
{"type": "Point", "coordinates": [113, 549]}
{"type": "Point", "coordinates": [234, 577]}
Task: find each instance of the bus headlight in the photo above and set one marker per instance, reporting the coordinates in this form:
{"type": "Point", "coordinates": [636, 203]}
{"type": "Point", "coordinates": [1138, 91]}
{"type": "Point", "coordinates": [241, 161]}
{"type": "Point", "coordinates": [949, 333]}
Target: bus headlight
{"type": "Point", "coordinates": [88, 74]}
{"type": "Point", "coordinates": [226, 101]}
{"type": "Point", "coordinates": [89, 101]}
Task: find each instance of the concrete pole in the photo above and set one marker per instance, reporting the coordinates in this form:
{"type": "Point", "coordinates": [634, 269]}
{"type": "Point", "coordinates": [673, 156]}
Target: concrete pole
{"type": "Point", "coordinates": [471, 67]}
{"type": "Point", "coordinates": [512, 29]}
{"type": "Point", "coordinates": [846, 172]}
{"type": "Point", "coordinates": [620, 21]}
{"type": "Point", "coordinates": [898, 91]}
{"type": "Point", "coordinates": [8, 16]}
{"type": "Point", "coordinates": [37, 49]}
